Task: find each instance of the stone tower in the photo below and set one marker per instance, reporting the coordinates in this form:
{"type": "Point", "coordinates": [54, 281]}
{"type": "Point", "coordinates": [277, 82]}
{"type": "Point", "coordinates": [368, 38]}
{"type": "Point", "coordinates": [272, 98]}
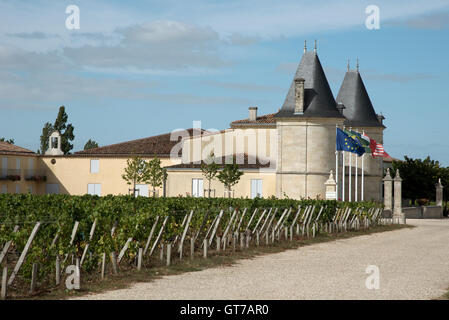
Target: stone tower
{"type": "Point", "coordinates": [306, 132]}
{"type": "Point", "coordinates": [360, 116]}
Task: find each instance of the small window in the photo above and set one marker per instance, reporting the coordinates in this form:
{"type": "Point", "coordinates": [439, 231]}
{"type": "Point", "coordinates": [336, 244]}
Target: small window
{"type": "Point", "coordinates": [18, 163]}
{"type": "Point", "coordinates": [197, 187]}
{"type": "Point", "coordinates": [52, 188]}
{"type": "Point", "coordinates": [30, 190]}
{"type": "Point", "coordinates": [94, 166]}
{"type": "Point", "coordinates": [17, 188]}
{"type": "Point", "coordinates": [94, 189]}
{"type": "Point", "coordinates": [142, 190]}
{"type": "Point", "coordinates": [256, 188]}
{"type": "Point", "coordinates": [4, 188]}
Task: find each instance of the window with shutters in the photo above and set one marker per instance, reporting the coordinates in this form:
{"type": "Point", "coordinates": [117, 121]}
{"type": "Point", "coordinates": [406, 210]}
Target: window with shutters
{"type": "Point", "coordinates": [197, 187]}
{"type": "Point", "coordinates": [94, 189]}
{"type": "Point", "coordinates": [256, 188]}
{"type": "Point", "coordinates": [94, 166]}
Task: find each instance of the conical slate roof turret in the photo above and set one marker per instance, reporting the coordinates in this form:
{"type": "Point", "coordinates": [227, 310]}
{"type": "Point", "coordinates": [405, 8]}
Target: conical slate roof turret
{"type": "Point", "coordinates": [359, 111]}
{"type": "Point", "coordinates": [318, 98]}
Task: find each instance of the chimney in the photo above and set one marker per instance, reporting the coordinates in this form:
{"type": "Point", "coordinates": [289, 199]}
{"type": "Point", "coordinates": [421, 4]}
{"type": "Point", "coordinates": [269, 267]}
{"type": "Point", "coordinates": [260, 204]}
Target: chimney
{"type": "Point", "coordinates": [299, 95]}
{"type": "Point", "coordinates": [252, 113]}
{"type": "Point", "coordinates": [340, 107]}
{"type": "Point", "coordinates": [381, 118]}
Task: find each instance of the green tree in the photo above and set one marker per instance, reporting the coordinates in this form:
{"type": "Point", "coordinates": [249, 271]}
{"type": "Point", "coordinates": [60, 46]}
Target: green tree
{"type": "Point", "coordinates": [46, 132]}
{"type": "Point", "coordinates": [209, 169]}
{"type": "Point", "coordinates": [136, 172]}
{"type": "Point", "coordinates": [229, 176]}
{"type": "Point", "coordinates": [60, 125]}
{"type": "Point", "coordinates": [10, 141]}
{"type": "Point", "coordinates": [419, 177]}
{"type": "Point", "coordinates": [91, 144]}
{"type": "Point", "coordinates": [156, 174]}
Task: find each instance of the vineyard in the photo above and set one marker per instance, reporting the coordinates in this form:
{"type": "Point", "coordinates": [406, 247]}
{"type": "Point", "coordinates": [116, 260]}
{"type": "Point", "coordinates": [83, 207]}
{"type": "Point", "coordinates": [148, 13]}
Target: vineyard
{"type": "Point", "coordinates": [41, 235]}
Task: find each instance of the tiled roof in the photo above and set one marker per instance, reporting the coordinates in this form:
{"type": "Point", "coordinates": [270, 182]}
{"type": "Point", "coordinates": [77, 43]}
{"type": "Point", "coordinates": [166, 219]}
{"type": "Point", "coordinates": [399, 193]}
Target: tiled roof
{"type": "Point", "coordinates": [160, 145]}
{"type": "Point", "coordinates": [265, 119]}
{"type": "Point", "coordinates": [390, 159]}
{"type": "Point", "coordinates": [7, 148]}
{"type": "Point", "coordinates": [249, 162]}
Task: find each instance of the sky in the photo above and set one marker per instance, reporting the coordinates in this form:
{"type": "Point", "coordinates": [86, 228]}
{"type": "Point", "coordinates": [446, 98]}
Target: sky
{"type": "Point", "coordinates": [142, 68]}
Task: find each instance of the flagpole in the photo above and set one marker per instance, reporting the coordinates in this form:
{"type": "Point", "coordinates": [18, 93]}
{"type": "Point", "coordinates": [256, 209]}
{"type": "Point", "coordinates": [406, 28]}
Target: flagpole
{"type": "Point", "coordinates": [343, 185]}
{"type": "Point", "coordinates": [356, 177]}
{"type": "Point", "coordinates": [363, 174]}
{"type": "Point", "coordinates": [350, 171]}
{"type": "Point", "coordinates": [363, 177]}
{"type": "Point", "coordinates": [336, 164]}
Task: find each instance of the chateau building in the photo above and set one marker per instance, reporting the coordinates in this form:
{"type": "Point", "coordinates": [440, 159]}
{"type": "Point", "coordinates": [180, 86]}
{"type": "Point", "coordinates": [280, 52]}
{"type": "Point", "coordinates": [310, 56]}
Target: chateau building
{"type": "Point", "coordinates": [288, 153]}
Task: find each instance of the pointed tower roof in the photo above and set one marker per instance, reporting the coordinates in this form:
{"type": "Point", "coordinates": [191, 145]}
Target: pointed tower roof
{"type": "Point", "coordinates": [318, 98]}
{"type": "Point", "coordinates": [358, 110]}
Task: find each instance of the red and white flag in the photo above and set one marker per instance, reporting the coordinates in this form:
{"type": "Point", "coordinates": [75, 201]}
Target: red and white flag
{"type": "Point", "coordinates": [377, 149]}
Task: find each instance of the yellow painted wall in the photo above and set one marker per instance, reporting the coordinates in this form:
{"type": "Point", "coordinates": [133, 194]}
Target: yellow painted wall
{"type": "Point", "coordinates": [180, 183]}
{"type": "Point", "coordinates": [21, 186]}
{"type": "Point", "coordinates": [73, 174]}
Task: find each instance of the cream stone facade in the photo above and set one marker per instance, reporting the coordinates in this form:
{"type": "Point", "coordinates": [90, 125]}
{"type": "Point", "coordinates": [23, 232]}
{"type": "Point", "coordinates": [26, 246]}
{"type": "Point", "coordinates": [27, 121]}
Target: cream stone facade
{"type": "Point", "coordinates": [289, 153]}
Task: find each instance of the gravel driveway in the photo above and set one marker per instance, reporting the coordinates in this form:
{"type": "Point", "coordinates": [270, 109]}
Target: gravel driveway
{"type": "Point", "coordinates": [413, 264]}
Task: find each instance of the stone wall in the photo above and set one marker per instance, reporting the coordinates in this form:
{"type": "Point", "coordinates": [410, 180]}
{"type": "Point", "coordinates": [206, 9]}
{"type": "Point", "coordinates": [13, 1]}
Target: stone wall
{"type": "Point", "coordinates": [424, 212]}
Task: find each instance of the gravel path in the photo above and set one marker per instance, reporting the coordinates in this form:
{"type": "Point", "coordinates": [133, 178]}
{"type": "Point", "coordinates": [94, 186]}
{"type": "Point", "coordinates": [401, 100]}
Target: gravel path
{"type": "Point", "coordinates": [413, 264]}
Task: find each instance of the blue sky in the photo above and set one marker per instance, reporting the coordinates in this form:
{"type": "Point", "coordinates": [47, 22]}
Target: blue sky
{"type": "Point", "coordinates": [141, 69]}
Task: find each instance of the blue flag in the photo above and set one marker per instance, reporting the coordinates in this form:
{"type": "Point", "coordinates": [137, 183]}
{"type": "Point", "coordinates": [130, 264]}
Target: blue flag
{"type": "Point", "coordinates": [346, 143]}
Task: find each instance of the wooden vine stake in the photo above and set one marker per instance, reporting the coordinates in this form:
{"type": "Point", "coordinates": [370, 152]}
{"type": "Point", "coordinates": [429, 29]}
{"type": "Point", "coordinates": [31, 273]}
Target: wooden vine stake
{"type": "Point", "coordinates": [6, 246]}
{"type": "Point", "coordinates": [24, 253]}
{"type": "Point", "coordinates": [192, 248]}
{"type": "Point", "coordinates": [215, 227]}
{"type": "Point", "coordinates": [151, 235]}
{"type": "Point", "coordinates": [125, 247]}
{"type": "Point", "coordinates": [205, 243]}
{"type": "Point", "coordinates": [4, 292]}
{"type": "Point", "coordinates": [158, 236]}
{"type": "Point", "coordinates": [72, 238]}
{"type": "Point", "coordinates": [181, 244]}
{"type": "Point", "coordinates": [33, 278]}
{"type": "Point", "coordinates": [91, 234]}
{"type": "Point", "coordinates": [114, 263]}
{"type": "Point", "coordinates": [139, 259]}
{"type": "Point", "coordinates": [168, 254]}
{"type": "Point", "coordinates": [58, 271]}
{"type": "Point", "coordinates": [103, 264]}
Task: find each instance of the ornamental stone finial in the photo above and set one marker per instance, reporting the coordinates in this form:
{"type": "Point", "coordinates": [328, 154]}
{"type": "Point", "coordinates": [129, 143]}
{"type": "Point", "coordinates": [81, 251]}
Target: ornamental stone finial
{"type": "Point", "coordinates": [397, 176]}
{"type": "Point", "coordinates": [314, 49]}
{"type": "Point", "coordinates": [305, 46]}
{"type": "Point", "coordinates": [387, 175]}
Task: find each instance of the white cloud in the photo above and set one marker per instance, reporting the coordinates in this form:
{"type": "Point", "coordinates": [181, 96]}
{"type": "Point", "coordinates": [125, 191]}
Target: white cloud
{"type": "Point", "coordinates": [157, 45]}
{"type": "Point", "coordinates": [242, 86]}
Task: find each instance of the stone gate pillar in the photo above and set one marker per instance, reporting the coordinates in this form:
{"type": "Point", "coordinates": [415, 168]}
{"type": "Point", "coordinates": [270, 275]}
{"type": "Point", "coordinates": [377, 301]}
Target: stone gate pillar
{"type": "Point", "coordinates": [331, 187]}
{"type": "Point", "coordinates": [388, 192]}
{"type": "Point", "coordinates": [439, 193]}
{"type": "Point", "coordinates": [397, 211]}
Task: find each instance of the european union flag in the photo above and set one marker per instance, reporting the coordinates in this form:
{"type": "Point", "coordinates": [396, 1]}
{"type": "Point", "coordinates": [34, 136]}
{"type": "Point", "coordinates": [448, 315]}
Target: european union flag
{"type": "Point", "coordinates": [346, 143]}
